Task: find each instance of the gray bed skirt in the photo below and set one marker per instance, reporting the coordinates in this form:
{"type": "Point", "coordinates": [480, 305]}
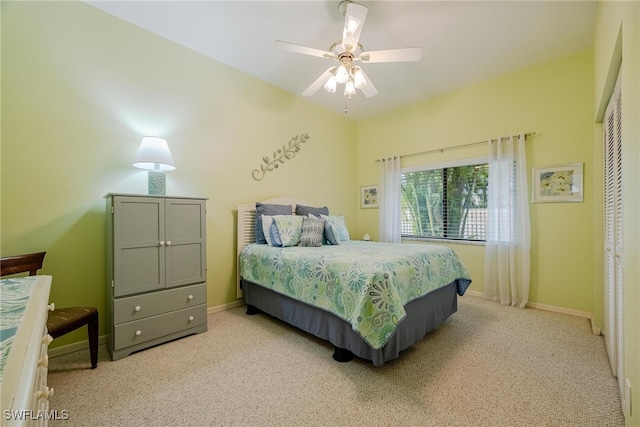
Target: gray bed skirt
{"type": "Point", "coordinates": [423, 315]}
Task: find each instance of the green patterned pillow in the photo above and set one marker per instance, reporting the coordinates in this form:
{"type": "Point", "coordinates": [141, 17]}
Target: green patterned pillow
{"type": "Point", "coordinates": [338, 225]}
{"type": "Point", "coordinates": [289, 229]}
{"type": "Point", "coordinates": [312, 231]}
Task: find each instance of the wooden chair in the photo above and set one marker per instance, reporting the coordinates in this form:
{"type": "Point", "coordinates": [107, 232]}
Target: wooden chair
{"type": "Point", "coordinates": [61, 320]}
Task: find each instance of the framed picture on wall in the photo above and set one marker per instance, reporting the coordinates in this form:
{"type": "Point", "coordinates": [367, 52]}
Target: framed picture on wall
{"type": "Point", "coordinates": [562, 183]}
{"type": "Point", "coordinates": [369, 197]}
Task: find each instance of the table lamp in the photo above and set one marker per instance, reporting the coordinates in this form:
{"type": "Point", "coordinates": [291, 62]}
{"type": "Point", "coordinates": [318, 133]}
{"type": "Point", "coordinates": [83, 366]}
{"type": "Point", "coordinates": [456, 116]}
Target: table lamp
{"type": "Point", "coordinates": [154, 155]}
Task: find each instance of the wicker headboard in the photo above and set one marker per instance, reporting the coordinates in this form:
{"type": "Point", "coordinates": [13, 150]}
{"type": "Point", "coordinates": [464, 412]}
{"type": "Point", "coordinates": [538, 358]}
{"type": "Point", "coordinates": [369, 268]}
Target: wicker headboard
{"type": "Point", "coordinates": [247, 225]}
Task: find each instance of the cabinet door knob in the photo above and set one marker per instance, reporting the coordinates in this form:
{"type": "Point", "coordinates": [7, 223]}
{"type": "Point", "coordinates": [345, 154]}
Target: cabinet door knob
{"type": "Point", "coordinates": [44, 361]}
{"type": "Point", "coordinates": [168, 242]}
{"type": "Point", "coordinates": [51, 306]}
{"type": "Point", "coordinates": [137, 308]}
{"type": "Point", "coordinates": [190, 318]}
{"type": "Point", "coordinates": [138, 333]}
{"type": "Point", "coordinates": [45, 394]}
{"type": "Point", "coordinates": [190, 297]}
{"type": "Point", "coordinates": [161, 242]}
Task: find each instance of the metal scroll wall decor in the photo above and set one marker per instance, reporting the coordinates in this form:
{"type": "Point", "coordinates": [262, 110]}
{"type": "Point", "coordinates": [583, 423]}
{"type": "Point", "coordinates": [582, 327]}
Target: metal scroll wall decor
{"type": "Point", "coordinates": [288, 151]}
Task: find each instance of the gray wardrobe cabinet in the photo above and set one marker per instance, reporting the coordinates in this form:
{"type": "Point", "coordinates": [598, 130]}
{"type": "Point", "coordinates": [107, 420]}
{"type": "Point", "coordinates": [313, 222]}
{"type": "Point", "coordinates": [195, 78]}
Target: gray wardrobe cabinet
{"type": "Point", "coordinates": [156, 271]}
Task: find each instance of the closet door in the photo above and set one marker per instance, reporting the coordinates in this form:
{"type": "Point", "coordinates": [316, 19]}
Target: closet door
{"type": "Point", "coordinates": [612, 245]}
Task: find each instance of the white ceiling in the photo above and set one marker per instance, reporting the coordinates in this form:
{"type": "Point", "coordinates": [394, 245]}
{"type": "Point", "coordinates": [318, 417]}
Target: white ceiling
{"type": "Point", "coordinates": [463, 42]}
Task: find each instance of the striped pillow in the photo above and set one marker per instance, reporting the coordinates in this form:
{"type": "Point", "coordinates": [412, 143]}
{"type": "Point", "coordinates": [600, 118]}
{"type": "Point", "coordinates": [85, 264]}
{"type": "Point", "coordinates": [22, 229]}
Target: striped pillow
{"type": "Point", "coordinates": [312, 230]}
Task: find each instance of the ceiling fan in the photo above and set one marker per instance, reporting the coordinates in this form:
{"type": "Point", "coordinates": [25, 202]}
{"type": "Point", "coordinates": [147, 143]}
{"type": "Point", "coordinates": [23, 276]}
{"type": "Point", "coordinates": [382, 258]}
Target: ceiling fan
{"type": "Point", "coordinates": [348, 52]}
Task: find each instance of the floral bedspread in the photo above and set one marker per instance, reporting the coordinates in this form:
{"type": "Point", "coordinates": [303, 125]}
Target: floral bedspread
{"type": "Point", "coordinates": [14, 296]}
{"type": "Point", "coordinates": [365, 283]}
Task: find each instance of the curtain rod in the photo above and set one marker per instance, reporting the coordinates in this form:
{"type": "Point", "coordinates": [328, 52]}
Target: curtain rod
{"type": "Point", "coordinates": [455, 147]}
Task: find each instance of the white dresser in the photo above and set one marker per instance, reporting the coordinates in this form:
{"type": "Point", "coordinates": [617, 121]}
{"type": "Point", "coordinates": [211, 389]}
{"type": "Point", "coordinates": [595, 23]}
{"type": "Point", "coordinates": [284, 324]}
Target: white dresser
{"type": "Point", "coordinates": [23, 350]}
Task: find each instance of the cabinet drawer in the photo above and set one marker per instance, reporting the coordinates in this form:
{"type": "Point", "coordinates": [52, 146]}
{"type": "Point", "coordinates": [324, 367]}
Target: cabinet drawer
{"type": "Point", "coordinates": [140, 331]}
{"type": "Point", "coordinates": [142, 306]}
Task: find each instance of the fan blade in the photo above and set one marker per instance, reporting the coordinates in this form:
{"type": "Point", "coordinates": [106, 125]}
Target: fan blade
{"type": "Point", "coordinates": [320, 81]}
{"type": "Point", "coordinates": [353, 23]}
{"type": "Point", "coordinates": [304, 50]}
{"type": "Point", "coordinates": [369, 89]}
{"type": "Point", "coordinates": [392, 55]}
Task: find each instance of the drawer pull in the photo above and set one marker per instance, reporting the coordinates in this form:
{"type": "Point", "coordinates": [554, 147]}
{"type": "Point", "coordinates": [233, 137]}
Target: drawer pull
{"type": "Point", "coordinates": [47, 339]}
{"type": "Point", "coordinates": [51, 306]}
{"type": "Point", "coordinates": [190, 318]}
{"type": "Point", "coordinates": [138, 333]}
{"type": "Point", "coordinates": [137, 308]}
{"type": "Point", "coordinates": [45, 394]}
{"type": "Point", "coordinates": [190, 297]}
{"type": "Point", "coordinates": [44, 361]}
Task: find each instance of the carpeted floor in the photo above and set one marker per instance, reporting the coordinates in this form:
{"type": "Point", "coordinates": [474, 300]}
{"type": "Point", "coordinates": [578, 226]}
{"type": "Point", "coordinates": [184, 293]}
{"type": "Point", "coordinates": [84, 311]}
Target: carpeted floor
{"type": "Point", "coordinates": [488, 365]}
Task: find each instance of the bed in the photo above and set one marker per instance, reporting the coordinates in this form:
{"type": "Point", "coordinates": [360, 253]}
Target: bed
{"type": "Point", "coordinates": [368, 299]}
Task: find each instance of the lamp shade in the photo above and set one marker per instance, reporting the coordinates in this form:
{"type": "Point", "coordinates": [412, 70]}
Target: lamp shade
{"type": "Point", "coordinates": [331, 84]}
{"type": "Point", "coordinates": [154, 154]}
{"type": "Point", "coordinates": [349, 88]}
{"type": "Point", "coordinates": [358, 78]}
{"type": "Point", "coordinates": [342, 75]}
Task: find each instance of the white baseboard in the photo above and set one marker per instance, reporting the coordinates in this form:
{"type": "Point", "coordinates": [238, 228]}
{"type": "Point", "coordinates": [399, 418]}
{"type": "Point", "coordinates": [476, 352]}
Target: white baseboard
{"type": "Point", "coordinates": [584, 314]}
{"type": "Point", "coordinates": [223, 307]}
{"type": "Point", "coordinates": [594, 329]}
{"type": "Point", "coordinates": [76, 346]}
{"type": "Point", "coordinates": [474, 293]}
{"type": "Point", "coordinates": [83, 345]}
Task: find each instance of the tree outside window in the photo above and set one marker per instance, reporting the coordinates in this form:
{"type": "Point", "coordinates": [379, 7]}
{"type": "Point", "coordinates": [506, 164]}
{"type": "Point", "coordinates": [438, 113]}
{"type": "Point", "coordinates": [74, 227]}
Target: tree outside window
{"type": "Point", "coordinates": [447, 203]}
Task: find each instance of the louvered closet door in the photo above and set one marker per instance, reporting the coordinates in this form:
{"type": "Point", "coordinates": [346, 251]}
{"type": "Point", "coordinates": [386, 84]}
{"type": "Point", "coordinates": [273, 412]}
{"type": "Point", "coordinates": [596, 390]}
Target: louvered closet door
{"type": "Point", "coordinates": [612, 245]}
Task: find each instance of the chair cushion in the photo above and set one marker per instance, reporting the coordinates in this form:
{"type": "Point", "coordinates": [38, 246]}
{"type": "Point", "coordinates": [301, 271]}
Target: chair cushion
{"type": "Point", "coordinates": [67, 319]}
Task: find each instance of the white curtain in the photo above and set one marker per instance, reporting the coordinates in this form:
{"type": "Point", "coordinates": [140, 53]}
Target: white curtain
{"type": "Point", "coordinates": [389, 199]}
{"type": "Point", "coordinates": [507, 262]}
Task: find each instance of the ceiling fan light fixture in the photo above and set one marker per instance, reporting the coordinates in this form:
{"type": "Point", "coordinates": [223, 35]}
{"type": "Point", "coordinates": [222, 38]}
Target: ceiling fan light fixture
{"type": "Point", "coordinates": [342, 75]}
{"type": "Point", "coordinates": [349, 88]}
{"type": "Point", "coordinates": [331, 84]}
{"type": "Point", "coordinates": [358, 78]}
{"type": "Point", "coordinates": [347, 52]}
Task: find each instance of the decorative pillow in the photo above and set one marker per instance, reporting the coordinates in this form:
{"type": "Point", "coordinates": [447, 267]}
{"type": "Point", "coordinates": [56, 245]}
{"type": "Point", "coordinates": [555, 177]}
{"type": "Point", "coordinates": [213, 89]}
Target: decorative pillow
{"type": "Point", "coordinates": [268, 209]}
{"type": "Point", "coordinates": [270, 231]}
{"type": "Point", "coordinates": [312, 231]}
{"type": "Point", "coordinates": [339, 226]}
{"type": "Point", "coordinates": [331, 234]}
{"type": "Point", "coordinates": [289, 229]}
{"type": "Point", "coordinates": [274, 236]}
{"type": "Point", "coordinates": [306, 210]}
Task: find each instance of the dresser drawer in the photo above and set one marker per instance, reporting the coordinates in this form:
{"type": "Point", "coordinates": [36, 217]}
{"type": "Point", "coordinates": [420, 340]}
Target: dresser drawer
{"type": "Point", "coordinates": [142, 306]}
{"type": "Point", "coordinates": [132, 333]}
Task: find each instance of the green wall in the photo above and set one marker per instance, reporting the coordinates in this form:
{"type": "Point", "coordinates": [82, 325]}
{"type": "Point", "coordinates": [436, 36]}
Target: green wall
{"type": "Point", "coordinates": [553, 100]}
{"type": "Point", "coordinates": [80, 88]}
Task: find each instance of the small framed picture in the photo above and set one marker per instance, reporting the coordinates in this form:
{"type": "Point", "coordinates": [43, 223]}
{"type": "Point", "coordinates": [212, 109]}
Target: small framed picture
{"type": "Point", "coordinates": [369, 197]}
{"type": "Point", "coordinates": [562, 183]}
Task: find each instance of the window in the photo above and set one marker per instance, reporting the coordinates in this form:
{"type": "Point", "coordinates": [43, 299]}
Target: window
{"type": "Point", "coordinates": [446, 203]}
